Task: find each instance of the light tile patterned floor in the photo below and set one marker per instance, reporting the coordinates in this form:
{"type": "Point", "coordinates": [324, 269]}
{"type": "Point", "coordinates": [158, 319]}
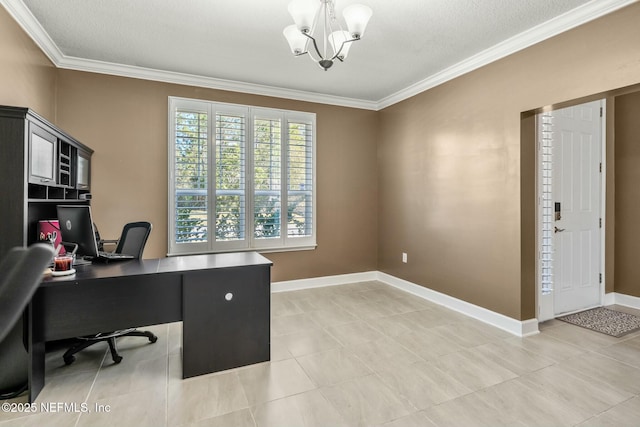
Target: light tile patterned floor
{"type": "Point", "coordinates": [362, 354]}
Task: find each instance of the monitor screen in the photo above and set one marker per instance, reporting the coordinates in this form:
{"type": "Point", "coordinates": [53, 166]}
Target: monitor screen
{"type": "Point", "coordinates": [76, 226]}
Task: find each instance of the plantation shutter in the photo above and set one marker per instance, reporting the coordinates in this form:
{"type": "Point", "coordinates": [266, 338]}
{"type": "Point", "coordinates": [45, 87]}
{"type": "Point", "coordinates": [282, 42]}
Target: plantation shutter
{"type": "Point", "coordinates": [546, 244]}
{"type": "Point", "coordinates": [267, 176]}
{"type": "Point", "coordinates": [191, 174]}
{"type": "Point", "coordinates": [230, 177]}
{"type": "Point", "coordinates": [300, 179]}
{"type": "Point", "coordinates": [240, 178]}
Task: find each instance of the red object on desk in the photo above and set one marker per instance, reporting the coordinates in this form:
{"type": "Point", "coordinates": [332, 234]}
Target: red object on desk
{"type": "Point", "coordinates": [49, 230]}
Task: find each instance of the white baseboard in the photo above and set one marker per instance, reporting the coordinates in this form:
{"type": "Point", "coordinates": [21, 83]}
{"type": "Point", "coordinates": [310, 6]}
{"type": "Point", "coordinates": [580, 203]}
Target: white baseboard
{"type": "Point", "coordinates": [516, 327]}
{"type": "Point", "coordinates": [609, 299]}
{"type": "Point", "coordinates": [622, 299]}
{"type": "Point", "coordinates": [513, 326]}
{"type": "Point", "coordinates": [319, 282]}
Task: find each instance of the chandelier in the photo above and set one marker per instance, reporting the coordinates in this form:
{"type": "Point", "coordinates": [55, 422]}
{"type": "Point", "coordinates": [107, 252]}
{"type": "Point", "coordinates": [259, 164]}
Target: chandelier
{"type": "Point", "coordinates": [316, 19]}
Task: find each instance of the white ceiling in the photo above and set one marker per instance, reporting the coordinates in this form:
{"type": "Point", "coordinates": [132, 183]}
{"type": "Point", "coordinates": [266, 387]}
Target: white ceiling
{"type": "Point", "coordinates": [409, 45]}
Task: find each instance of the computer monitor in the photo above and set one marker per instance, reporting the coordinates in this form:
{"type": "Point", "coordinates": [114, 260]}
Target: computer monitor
{"type": "Point", "coordinates": [76, 226]}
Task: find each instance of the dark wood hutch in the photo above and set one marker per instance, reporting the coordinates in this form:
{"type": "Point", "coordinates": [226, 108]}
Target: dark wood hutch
{"type": "Point", "coordinates": [41, 166]}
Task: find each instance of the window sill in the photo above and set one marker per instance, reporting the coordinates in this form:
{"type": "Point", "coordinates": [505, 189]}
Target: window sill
{"type": "Point", "coordinates": [259, 250]}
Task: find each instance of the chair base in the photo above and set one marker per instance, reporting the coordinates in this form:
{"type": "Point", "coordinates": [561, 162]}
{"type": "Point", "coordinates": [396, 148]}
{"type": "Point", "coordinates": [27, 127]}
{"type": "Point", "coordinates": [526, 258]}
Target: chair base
{"type": "Point", "coordinates": [13, 394]}
{"type": "Point", "coordinates": [110, 338]}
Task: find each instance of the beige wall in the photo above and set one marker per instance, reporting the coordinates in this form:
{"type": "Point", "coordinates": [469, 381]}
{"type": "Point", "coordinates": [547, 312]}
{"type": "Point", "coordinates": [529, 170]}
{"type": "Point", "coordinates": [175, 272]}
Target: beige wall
{"type": "Point", "coordinates": [446, 176]}
{"type": "Point", "coordinates": [125, 121]}
{"type": "Point", "coordinates": [450, 172]}
{"type": "Point", "coordinates": [27, 77]}
{"type": "Point", "coordinates": [627, 157]}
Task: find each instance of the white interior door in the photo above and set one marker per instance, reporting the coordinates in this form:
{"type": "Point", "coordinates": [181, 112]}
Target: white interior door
{"type": "Point", "coordinates": [576, 194]}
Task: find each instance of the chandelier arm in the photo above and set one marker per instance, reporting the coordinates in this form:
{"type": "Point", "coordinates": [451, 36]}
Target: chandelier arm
{"type": "Point", "coordinates": [315, 46]}
{"type": "Point", "coordinates": [337, 55]}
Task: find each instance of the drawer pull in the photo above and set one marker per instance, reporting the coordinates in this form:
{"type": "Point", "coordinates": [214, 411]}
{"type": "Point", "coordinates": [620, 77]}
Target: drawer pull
{"type": "Point", "coordinates": [228, 296]}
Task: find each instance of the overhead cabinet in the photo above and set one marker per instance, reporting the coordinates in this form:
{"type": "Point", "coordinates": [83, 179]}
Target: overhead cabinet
{"type": "Point", "coordinates": [59, 165]}
{"type": "Point", "coordinates": [41, 166]}
{"type": "Point", "coordinates": [43, 147]}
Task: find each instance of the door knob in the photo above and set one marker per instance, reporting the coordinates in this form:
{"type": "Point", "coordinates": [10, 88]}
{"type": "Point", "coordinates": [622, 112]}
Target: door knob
{"type": "Point", "coordinates": [558, 230]}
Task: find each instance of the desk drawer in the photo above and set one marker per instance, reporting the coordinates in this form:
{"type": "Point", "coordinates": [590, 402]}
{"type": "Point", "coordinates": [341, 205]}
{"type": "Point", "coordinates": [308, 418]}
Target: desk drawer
{"type": "Point", "coordinates": [226, 320]}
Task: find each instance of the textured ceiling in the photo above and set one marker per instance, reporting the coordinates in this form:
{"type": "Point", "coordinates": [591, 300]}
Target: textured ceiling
{"type": "Point", "coordinates": [406, 42]}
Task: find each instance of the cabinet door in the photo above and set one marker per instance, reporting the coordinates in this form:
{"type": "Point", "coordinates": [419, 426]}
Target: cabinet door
{"type": "Point", "coordinates": [226, 319]}
{"type": "Point", "coordinates": [83, 177]}
{"type": "Point", "coordinates": [42, 155]}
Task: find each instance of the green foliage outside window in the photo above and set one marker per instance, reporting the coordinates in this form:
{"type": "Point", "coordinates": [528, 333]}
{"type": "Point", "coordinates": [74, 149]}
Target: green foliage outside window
{"type": "Point", "coordinates": [191, 176]}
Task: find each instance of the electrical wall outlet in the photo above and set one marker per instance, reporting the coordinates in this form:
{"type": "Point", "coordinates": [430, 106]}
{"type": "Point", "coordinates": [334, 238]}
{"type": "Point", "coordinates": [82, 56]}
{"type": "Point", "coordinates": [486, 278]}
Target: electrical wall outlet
{"type": "Point", "coordinates": [404, 257]}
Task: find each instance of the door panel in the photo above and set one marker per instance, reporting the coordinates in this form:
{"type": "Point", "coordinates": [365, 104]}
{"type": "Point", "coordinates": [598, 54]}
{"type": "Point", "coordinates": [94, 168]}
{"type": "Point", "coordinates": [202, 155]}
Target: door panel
{"type": "Point", "coordinates": [576, 186]}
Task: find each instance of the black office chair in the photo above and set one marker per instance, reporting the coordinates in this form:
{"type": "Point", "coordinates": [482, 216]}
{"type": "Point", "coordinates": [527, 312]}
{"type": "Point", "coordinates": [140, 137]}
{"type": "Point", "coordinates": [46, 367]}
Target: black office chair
{"type": "Point", "coordinates": [22, 270]}
{"type": "Point", "coordinates": [132, 242]}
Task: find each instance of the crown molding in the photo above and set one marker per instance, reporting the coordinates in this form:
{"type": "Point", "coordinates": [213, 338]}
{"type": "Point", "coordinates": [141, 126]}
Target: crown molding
{"type": "Point", "coordinates": [100, 67]}
{"type": "Point", "coordinates": [27, 21]}
{"type": "Point", "coordinates": [23, 16]}
{"type": "Point", "coordinates": [576, 17]}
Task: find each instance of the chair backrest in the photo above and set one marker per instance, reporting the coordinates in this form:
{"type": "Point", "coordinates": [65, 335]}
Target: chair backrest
{"type": "Point", "coordinates": [134, 238]}
{"type": "Point", "coordinates": [21, 282]}
{"type": "Point", "coordinates": [8, 263]}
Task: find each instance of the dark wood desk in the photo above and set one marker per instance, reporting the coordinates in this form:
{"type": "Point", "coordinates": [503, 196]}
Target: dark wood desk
{"type": "Point", "coordinates": [223, 301]}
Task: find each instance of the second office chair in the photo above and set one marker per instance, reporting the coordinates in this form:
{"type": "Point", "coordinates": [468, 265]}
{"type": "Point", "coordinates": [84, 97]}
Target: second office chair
{"type": "Point", "coordinates": [132, 242]}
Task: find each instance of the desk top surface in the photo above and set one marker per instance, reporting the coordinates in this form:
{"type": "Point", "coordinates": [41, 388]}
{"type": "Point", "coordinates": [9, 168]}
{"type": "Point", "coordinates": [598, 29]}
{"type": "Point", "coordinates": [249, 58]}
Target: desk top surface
{"type": "Point", "coordinates": [177, 264]}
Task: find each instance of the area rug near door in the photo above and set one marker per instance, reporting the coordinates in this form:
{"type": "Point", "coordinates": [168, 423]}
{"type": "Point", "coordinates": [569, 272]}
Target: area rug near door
{"type": "Point", "coordinates": [604, 320]}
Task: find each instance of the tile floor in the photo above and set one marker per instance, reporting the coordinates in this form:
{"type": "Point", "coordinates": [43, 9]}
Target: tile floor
{"type": "Point", "coordinates": [362, 354]}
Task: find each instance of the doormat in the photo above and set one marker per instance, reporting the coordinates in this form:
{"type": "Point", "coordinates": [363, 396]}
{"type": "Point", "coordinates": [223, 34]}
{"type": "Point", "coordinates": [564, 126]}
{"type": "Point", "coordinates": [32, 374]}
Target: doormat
{"type": "Point", "coordinates": [605, 321]}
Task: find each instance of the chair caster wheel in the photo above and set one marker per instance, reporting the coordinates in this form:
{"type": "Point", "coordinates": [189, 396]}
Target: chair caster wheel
{"type": "Point", "coordinates": [68, 360]}
{"type": "Point", "coordinates": [117, 359]}
{"type": "Point", "coordinates": [153, 339]}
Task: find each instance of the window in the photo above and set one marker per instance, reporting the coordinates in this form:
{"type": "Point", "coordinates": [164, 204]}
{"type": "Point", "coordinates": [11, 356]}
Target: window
{"type": "Point", "coordinates": [240, 178]}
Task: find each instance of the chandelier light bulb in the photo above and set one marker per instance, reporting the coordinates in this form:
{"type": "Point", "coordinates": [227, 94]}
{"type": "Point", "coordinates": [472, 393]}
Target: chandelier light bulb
{"type": "Point", "coordinates": [337, 40]}
{"type": "Point", "coordinates": [304, 13]}
{"type": "Point", "coordinates": [357, 17]}
{"type": "Point", "coordinates": [297, 40]}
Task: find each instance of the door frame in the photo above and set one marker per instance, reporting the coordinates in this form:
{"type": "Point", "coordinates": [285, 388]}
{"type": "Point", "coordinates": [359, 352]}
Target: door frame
{"type": "Point", "coordinates": [544, 303]}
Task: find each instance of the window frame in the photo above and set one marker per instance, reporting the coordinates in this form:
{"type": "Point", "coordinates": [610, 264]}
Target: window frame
{"type": "Point", "coordinates": [249, 243]}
